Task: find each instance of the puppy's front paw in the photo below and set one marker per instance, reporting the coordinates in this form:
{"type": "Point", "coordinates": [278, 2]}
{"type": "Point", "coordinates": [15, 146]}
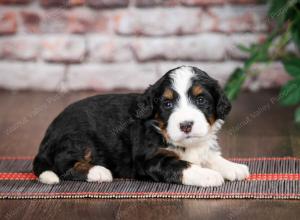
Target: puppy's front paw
{"type": "Point", "coordinates": [198, 176]}
{"type": "Point", "coordinates": [99, 174]}
{"type": "Point", "coordinates": [234, 171]}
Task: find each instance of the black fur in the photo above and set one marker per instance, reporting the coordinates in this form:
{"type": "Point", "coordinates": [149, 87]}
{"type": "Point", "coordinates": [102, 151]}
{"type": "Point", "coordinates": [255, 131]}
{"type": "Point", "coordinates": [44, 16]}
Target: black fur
{"type": "Point", "coordinates": [221, 103]}
{"type": "Point", "coordinates": [116, 131]}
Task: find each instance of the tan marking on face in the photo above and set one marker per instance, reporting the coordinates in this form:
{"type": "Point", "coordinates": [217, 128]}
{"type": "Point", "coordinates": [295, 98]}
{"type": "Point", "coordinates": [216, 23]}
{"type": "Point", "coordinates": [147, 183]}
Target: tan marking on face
{"type": "Point", "coordinates": [197, 90]}
{"type": "Point", "coordinates": [162, 127]}
{"type": "Point", "coordinates": [168, 94]}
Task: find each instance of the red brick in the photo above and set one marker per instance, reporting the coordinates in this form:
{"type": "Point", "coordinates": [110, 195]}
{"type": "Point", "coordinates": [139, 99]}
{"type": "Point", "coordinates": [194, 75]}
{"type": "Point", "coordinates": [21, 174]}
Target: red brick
{"type": "Point", "coordinates": [162, 21]}
{"type": "Point", "coordinates": [109, 49]}
{"type": "Point", "coordinates": [65, 3]}
{"type": "Point", "coordinates": [63, 48]}
{"type": "Point", "coordinates": [107, 3]}
{"type": "Point", "coordinates": [14, 1]}
{"type": "Point", "coordinates": [37, 76]}
{"type": "Point", "coordinates": [53, 3]}
{"type": "Point", "coordinates": [24, 48]}
{"type": "Point", "coordinates": [77, 20]}
{"type": "Point", "coordinates": [31, 21]}
{"type": "Point", "coordinates": [110, 76]}
{"type": "Point", "coordinates": [202, 2]}
{"type": "Point", "coordinates": [192, 48]}
{"type": "Point", "coordinates": [240, 18]}
{"type": "Point", "coordinates": [212, 2]}
{"type": "Point", "coordinates": [54, 21]}
{"type": "Point", "coordinates": [245, 1]}
{"type": "Point", "coordinates": [76, 2]}
{"type": "Point", "coordinates": [85, 20]}
{"type": "Point", "coordinates": [8, 22]}
{"type": "Point", "coordinates": [149, 3]}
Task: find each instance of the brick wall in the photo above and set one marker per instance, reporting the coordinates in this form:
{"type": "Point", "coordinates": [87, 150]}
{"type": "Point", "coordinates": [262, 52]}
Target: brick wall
{"type": "Point", "coordinates": [111, 44]}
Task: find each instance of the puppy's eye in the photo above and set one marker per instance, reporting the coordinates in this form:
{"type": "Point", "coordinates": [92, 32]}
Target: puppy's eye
{"type": "Point", "coordinates": [200, 100]}
{"type": "Point", "coordinates": [168, 104]}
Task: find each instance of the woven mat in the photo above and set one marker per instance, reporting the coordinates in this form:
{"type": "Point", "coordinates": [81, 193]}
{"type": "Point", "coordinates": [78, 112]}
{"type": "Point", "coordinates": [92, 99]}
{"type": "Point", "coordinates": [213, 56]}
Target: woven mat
{"type": "Point", "coordinates": [271, 178]}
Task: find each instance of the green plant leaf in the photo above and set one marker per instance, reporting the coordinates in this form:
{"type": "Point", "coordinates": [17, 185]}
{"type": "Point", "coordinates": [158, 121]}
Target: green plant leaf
{"type": "Point", "coordinates": [295, 31]}
{"type": "Point", "coordinates": [290, 93]}
{"type": "Point", "coordinates": [234, 84]}
{"type": "Point", "coordinates": [262, 56]}
{"type": "Point", "coordinates": [292, 66]}
{"type": "Point", "coordinates": [278, 10]}
{"type": "Point", "coordinates": [293, 16]}
{"type": "Point", "coordinates": [291, 13]}
{"type": "Point", "coordinates": [297, 115]}
{"type": "Point", "coordinates": [244, 48]}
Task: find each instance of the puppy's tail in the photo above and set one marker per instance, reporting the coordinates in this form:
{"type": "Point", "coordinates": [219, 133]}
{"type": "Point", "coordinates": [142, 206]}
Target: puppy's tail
{"type": "Point", "coordinates": [43, 169]}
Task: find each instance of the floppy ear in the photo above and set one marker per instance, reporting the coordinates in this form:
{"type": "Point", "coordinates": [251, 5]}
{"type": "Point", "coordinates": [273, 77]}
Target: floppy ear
{"type": "Point", "coordinates": [145, 104]}
{"type": "Point", "coordinates": [223, 105]}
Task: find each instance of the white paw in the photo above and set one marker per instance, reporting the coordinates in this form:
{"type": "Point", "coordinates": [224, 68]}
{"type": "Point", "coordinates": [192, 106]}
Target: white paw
{"type": "Point", "coordinates": [234, 171]}
{"type": "Point", "coordinates": [198, 176]}
{"type": "Point", "coordinates": [48, 177]}
{"type": "Point", "coordinates": [99, 174]}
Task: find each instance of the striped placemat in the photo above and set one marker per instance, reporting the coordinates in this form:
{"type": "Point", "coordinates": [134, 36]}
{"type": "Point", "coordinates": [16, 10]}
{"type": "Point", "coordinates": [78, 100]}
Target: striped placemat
{"type": "Point", "coordinates": [271, 178]}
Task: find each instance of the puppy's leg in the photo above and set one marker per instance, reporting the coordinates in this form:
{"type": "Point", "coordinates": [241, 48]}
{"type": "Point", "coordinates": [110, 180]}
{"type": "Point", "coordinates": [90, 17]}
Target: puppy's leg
{"type": "Point", "coordinates": [229, 170]}
{"type": "Point", "coordinates": [166, 166]}
{"type": "Point", "coordinates": [43, 169]}
{"type": "Point", "coordinates": [89, 173]}
{"type": "Point", "coordinates": [84, 169]}
{"type": "Point", "coordinates": [198, 176]}
{"type": "Point", "coordinates": [99, 174]}
{"type": "Point", "coordinates": [48, 177]}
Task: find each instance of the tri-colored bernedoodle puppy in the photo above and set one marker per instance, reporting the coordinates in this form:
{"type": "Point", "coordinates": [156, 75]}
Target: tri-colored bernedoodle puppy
{"type": "Point", "coordinates": [166, 134]}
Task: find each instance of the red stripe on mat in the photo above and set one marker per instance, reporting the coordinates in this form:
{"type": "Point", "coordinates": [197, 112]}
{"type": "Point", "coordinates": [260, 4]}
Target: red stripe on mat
{"type": "Point", "coordinates": [252, 177]}
{"type": "Point", "coordinates": [274, 176]}
{"type": "Point", "coordinates": [17, 176]}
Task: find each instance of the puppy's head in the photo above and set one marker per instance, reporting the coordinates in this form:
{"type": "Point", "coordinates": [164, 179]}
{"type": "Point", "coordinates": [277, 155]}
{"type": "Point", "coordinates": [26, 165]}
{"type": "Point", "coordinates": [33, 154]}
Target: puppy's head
{"type": "Point", "coordinates": [185, 104]}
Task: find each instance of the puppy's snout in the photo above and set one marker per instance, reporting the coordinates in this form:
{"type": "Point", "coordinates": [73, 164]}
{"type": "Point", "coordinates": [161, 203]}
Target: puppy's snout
{"type": "Point", "coordinates": [186, 126]}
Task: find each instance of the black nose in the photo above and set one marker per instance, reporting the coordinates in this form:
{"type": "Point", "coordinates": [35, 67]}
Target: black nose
{"type": "Point", "coordinates": [186, 126]}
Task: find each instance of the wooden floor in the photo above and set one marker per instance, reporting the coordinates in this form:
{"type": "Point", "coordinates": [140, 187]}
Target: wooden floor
{"type": "Point", "coordinates": [257, 126]}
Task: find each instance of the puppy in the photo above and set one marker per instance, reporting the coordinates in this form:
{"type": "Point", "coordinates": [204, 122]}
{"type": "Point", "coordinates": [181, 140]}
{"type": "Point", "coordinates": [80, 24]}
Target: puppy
{"type": "Point", "coordinates": [166, 134]}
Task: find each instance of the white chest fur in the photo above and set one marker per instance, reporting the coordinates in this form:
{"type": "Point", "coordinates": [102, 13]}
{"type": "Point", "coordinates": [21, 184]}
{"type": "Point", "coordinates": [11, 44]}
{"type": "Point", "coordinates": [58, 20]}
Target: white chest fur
{"type": "Point", "coordinates": [204, 150]}
{"type": "Point", "coordinates": [200, 154]}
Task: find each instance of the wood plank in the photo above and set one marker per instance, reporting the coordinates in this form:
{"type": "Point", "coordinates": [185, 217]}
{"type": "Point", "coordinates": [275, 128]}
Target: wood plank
{"type": "Point", "coordinates": [149, 209]}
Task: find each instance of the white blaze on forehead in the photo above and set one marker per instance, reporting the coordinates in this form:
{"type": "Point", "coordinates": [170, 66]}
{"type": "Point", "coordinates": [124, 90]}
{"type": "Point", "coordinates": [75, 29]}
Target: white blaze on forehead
{"type": "Point", "coordinates": [182, 80]}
